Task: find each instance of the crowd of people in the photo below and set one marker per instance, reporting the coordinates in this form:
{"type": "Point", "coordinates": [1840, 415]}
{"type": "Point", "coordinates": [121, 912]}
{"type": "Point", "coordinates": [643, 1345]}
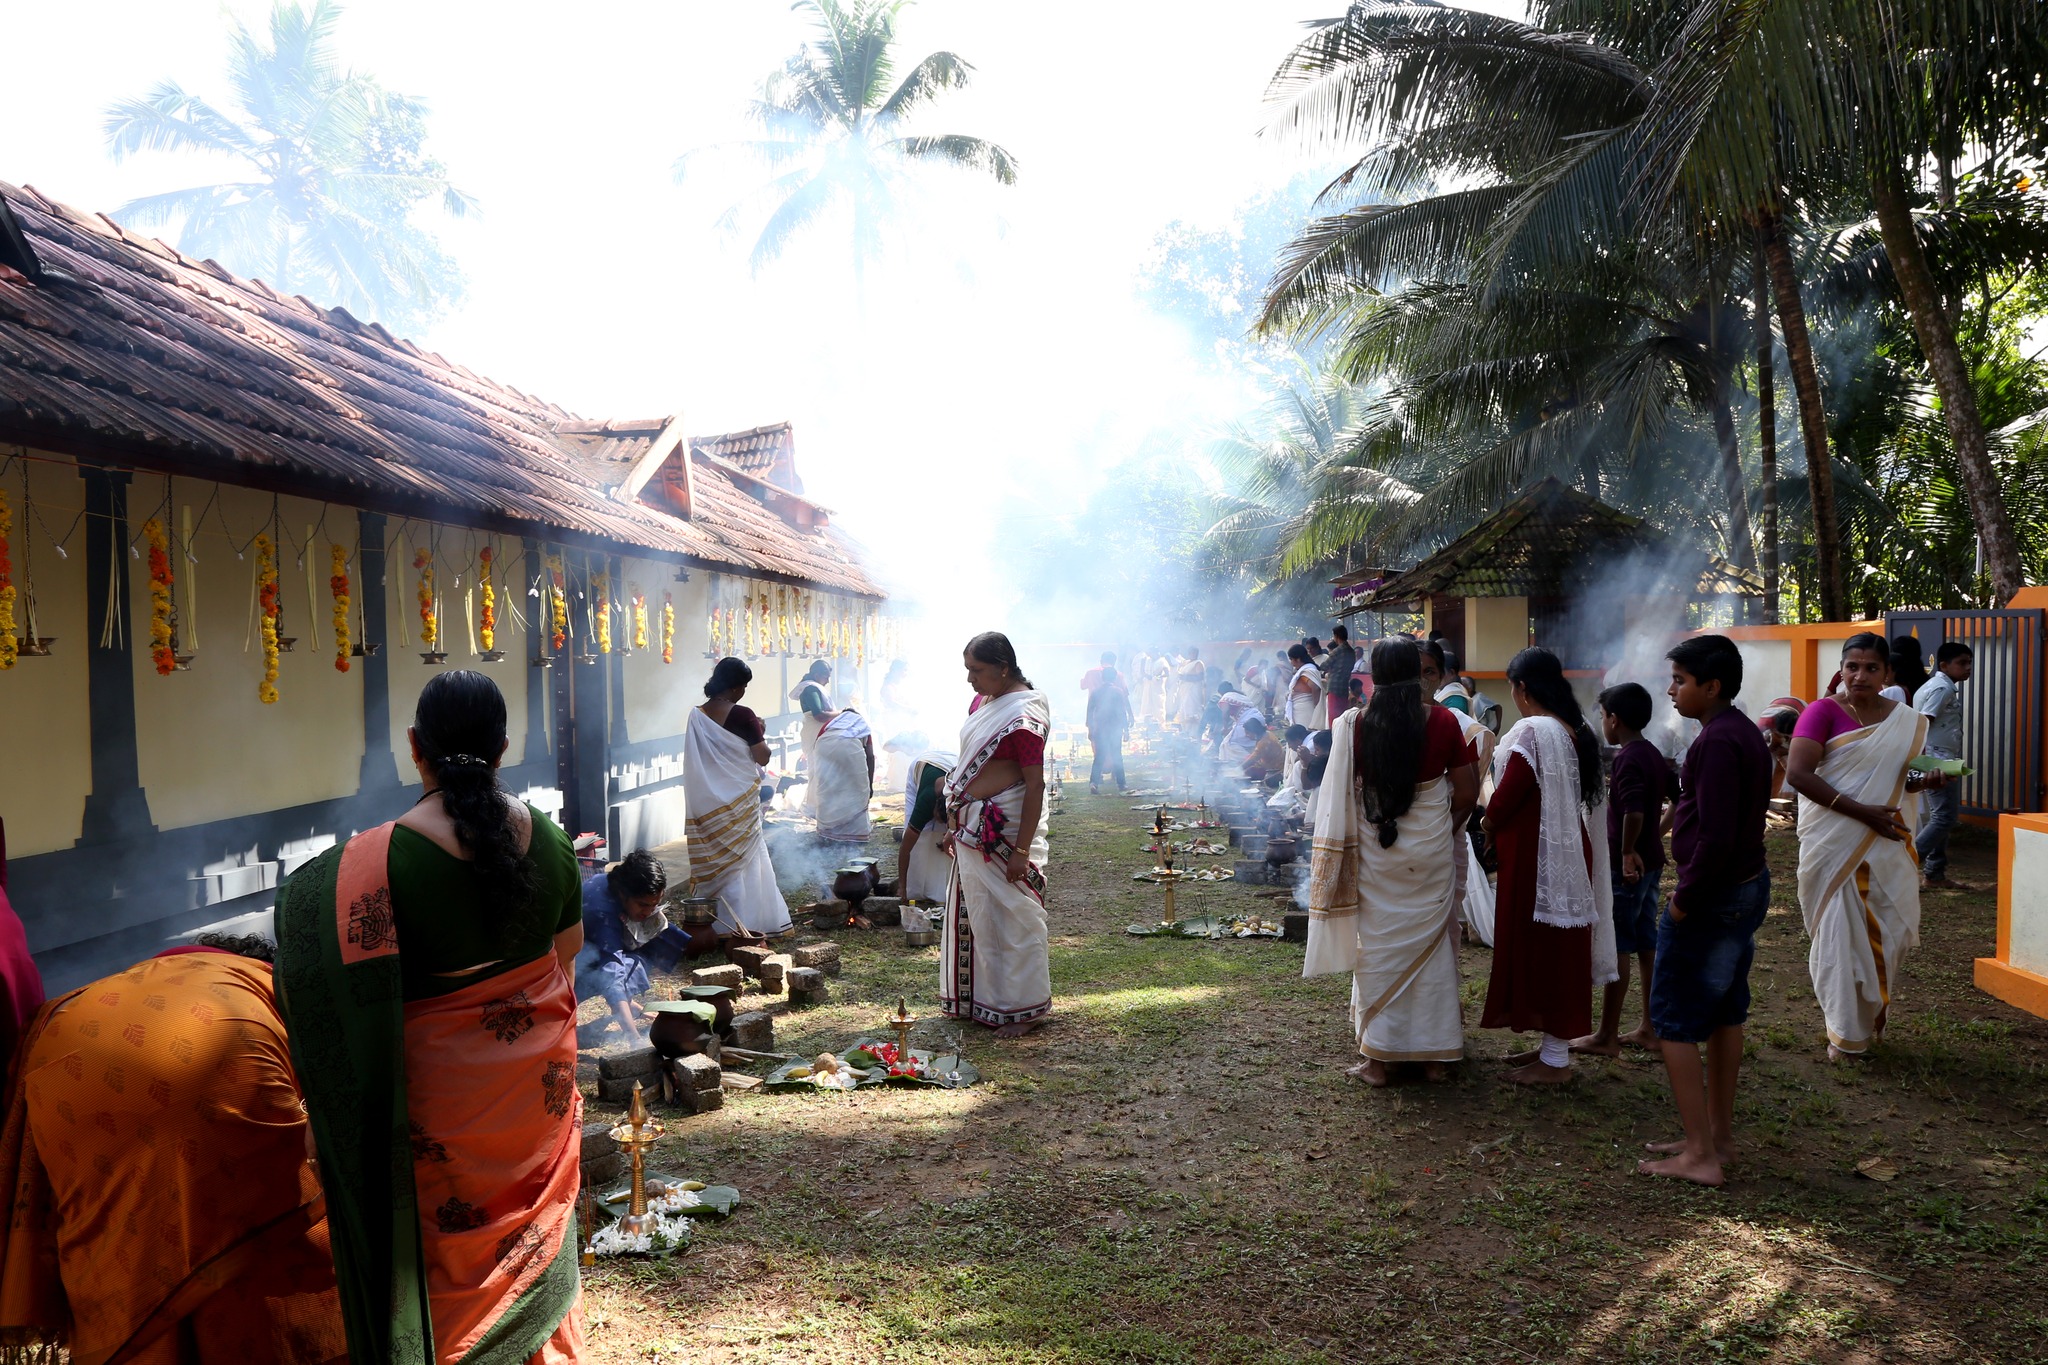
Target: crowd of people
{"type": "Point", "coordinates": [330, 1149]}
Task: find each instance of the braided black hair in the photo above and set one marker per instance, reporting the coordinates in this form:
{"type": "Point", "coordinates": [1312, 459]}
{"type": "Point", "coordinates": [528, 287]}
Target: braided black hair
{"type": "Point", "coordinates": [459, 724]}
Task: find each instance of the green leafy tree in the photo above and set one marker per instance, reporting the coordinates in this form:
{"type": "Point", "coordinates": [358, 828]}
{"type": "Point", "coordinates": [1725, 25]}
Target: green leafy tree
{"type": "Point", "coordinates": [836, 125]}
{"type": "Point", "coordinates": [334, 170]}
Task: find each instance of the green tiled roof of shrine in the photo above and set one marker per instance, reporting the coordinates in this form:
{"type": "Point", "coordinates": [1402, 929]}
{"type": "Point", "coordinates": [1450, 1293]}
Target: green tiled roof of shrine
{"type": "Point", "coordinates": [1550, 542]}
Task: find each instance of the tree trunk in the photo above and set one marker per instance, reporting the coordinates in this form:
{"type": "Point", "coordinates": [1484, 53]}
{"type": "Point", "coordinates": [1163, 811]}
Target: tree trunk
{"type": "Point", "coordinates": [1813, 420]}
{"type": "Point", "coordinates": [1952, 379]}
{"type": "Point", "coordinates": [1739, 542]}
{"type": "Point", "coordinates": [1766, 430]}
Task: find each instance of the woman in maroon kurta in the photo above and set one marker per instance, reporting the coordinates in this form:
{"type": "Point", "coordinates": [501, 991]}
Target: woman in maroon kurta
{"type": "Point", "coordinates": [1542, 976]}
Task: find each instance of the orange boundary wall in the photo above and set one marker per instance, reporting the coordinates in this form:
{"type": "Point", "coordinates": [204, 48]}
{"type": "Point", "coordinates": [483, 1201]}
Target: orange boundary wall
{"type": "Point", "coordinates": [1805, 640]}
{"type": "Point", "coordinates": [1996, 976]}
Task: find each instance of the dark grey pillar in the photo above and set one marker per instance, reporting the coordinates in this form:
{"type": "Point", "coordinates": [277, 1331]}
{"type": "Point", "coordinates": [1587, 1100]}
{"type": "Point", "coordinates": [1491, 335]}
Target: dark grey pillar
{"type": "Point", "coordinates": [116, 810]}
{"type": "Point", "coordinates": [380, 768]}
{"type": "Point", "coordinates": [539, 681]}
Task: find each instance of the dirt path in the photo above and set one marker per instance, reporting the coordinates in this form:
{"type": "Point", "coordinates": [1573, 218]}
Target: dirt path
{"type": "Point", "coordinates": [1176, 1171]}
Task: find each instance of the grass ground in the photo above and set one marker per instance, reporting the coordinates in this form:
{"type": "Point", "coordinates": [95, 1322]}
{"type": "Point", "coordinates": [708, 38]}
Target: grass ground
{"type": "Point", "coordinates": [1176, 1170]}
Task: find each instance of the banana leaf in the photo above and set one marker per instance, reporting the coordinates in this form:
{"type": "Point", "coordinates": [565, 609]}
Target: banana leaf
{"type": "Point", "coordinates": [866, 1068]}
{"type": "Point", "coordinates": [713, 1201]}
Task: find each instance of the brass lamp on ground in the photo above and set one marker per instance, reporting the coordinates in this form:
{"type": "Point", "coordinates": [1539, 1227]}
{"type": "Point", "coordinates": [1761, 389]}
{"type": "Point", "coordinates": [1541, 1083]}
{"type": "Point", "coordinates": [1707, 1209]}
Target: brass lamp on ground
{"type": "Point", "coordinates": [901, 1022]}
{"type": "Point", "coordinates": [635, 1136]}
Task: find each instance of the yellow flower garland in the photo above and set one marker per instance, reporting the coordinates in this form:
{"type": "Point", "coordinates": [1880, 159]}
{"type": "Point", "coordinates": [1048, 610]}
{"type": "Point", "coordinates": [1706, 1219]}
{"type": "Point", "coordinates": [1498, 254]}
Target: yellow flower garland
{"type": "Point", "coordinates": [160, 652]}
{"type": "Point", "coordinates": [604, 613]}
{"type": "Point", "coordinates": [429, 623]}
{"type": "Point", "coordinates": [337, 583]}
{"type": "Point", "coordinates": [266, 596]}
{"type": "Point", "coordinates": [487, 617]}
{"type": "Point", "coordinates": [639, 617]}
{"type": "Point", "coordinates": [558, 589]}
{"type": "Point", "coordinates": [8, 648]}
{"type": "Point", "coordinates": [668, 629]}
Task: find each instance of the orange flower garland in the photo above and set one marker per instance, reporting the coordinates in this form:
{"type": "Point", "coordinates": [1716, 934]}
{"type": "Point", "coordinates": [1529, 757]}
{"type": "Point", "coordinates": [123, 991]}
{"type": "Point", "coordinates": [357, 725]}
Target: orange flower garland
{"type": "Point", "coordinates": [8, 647]}
{"type": "Point", "coordinates": [430, 626]}
{"type": "Point", "coordinates": [639, 619]}
{"type": "Point", "coordinates": [668, 629]}
{"type": "Point", "coordinates": [487, 619]}
{"type": "Point", "coordinates": [266, 596]}
{"type": "Point", "coordinates": [337, 583]}
{"type": "Point", "coordinates": [603, 585]}
{"type": "Point", "coordinates": [717, 629]}
{"type": "Point", "coordinates": [556, 588]}
{"type": "Point", "coordinates": [159, 599]}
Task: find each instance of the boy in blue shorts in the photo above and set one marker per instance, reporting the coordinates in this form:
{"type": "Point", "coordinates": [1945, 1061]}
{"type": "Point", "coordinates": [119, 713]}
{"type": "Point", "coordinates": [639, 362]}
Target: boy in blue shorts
{"type": "Point", "coordinates": [1706, 939]}
{"type": "Point", "coordinates": [1637, 786]}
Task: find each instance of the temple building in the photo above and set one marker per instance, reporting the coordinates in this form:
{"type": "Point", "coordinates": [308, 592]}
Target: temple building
{"type": "Point", "coordinates": [242, 530]}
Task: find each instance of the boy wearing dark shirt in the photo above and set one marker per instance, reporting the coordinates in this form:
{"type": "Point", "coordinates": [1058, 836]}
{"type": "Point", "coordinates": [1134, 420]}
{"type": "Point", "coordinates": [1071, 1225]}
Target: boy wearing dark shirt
{"type": "Point", "coordinates": [1707, 938]}
{"type": "Point", "coordinates": [1636, 788]}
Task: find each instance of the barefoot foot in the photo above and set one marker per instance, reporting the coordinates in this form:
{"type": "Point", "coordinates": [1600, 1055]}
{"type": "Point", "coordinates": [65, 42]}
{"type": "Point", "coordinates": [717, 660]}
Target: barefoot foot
{"type": "Point", "coordinates": [1522, 1058]}
{"type": "Point", "coordinates": [1700, 1170]}
{"type": "Point", "coordinates": [1435, 1072]}
{"type": "Point", "coordinates": [1597, 1045]}
{"type": "Point", "coordinates": [1725, 1154]}
{"type": "Point", "coordinates": [1373, 1073]}
{"type": "Point", "coordinates": [1837, 1055]}
{"type": "Point", "coordinates": [1536, 1073]}
{"type": "Point", "coordinates": [1644, 1037]}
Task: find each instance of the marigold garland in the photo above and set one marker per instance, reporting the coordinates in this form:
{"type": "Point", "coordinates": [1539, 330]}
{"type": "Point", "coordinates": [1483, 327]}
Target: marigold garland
{"type": "Point", "coordinates": [8, 647]}
{"type": "Point", "coordinates": [430, 624]}
{"type": "Point", "coordinates": [668, 629]}
{"type": "Point", "coordinates": [487, 618]}
{"type": "Point", "coordinates": [160, 651]}
{"type": "Point", "coordinates": [266, 596]}
{"type": "Point", "coordinates": [603, 585]}
{"type": "Point", "coordinates": [639, 619]}
{"type": "Point", "coordinates": [337, 583]}
{"type": "Point", "coordinates": [558, 589]}
{"type": "Point", "coordinates": [717, 631]}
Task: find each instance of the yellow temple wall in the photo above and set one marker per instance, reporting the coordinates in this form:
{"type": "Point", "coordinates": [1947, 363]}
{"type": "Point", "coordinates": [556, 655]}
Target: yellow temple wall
{"type": "Point", "coordinates": [45, 725]}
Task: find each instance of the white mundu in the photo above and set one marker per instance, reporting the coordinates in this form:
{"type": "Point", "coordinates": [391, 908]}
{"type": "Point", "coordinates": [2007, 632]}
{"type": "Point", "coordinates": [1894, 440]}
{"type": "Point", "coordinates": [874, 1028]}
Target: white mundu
{"type": "Point", "coordinates": [722, 817]}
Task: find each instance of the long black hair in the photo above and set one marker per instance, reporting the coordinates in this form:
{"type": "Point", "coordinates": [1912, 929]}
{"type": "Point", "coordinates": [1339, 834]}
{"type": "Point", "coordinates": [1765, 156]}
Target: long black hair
{"type": "Point", "coordinates": [1909, 670]}
{"type": "Point", "coordinates": [994, 647]}
{"type": "Point", "coordinates": [1542, 677]}
{"type": "Point", "coordinates": [460, 726]}
{"type": "Point", "coordinates": [727, 674]}
{"type": "Point", "coordinates": [1388, 746]}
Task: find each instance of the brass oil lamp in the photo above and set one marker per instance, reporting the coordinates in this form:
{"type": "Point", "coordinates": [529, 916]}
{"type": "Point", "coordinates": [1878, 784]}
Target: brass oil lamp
{"type": "Point", "coordinates": [636, 1135]}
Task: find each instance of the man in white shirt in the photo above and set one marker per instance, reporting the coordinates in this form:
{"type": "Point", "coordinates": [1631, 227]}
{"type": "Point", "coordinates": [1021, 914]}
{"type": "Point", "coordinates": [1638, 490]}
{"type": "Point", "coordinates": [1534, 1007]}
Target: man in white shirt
{"type": "Point", "coordinates": [1940, 699]}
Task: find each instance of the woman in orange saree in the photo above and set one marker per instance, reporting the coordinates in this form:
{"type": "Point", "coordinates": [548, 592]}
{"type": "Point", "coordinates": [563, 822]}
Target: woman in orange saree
{"type": "Point", "coordinates": [441, 1084]}
{"type": "Point", "coordinates": [154, 1159]}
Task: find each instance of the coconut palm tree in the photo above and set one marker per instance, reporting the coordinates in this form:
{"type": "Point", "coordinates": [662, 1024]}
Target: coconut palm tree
{"type": "Point", "coordinates": [332, 172]}
{"type": "Point", "coordinates": [836, 124]}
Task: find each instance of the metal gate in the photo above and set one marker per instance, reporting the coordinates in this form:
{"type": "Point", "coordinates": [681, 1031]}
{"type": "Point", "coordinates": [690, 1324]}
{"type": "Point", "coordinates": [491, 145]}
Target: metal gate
{"type": "Point", "coordinates": [2002, 732]}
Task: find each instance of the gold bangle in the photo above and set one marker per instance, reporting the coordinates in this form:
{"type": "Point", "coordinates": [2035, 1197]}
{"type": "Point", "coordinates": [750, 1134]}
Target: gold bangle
{"type": "Point", "coordinates": [1832, 799]}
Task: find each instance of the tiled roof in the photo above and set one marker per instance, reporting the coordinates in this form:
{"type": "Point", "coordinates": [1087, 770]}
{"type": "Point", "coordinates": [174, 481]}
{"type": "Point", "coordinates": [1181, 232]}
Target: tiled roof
{"type": "Point", "coordinates": [1552, 542]}
{"type": "Point", "coordinates": [736, 506]}
{"type": "Point", "coordinates": [116, 347]}
{"type": "Point", "coordinates": [765, 452]}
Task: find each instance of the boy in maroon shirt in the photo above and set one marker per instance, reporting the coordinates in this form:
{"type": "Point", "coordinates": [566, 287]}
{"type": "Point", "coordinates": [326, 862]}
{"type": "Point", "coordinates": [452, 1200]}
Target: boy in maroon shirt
{"type": "Point", "coordinates": [1707, 938]}
{"type": "Point", "coordinates": [1637, 785]}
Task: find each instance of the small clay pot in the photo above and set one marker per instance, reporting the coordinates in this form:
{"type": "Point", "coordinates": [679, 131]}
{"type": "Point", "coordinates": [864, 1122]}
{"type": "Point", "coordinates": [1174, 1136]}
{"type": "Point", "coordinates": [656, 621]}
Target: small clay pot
{"type": "Point", "coordinates": [853, 884]}
{"type": "Point", "coordinates": [1280, 850]}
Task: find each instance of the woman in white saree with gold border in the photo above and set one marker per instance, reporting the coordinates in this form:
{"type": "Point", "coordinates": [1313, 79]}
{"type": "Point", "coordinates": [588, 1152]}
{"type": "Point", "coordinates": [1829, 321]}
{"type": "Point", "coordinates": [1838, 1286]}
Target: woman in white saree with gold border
{"type": "Point", "coordinates": [1859, 889]}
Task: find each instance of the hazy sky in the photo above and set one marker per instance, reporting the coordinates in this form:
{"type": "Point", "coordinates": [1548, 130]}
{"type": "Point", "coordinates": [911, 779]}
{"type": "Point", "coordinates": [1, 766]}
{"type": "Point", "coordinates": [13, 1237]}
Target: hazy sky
{"type": "Point", "coordinates": [1003, 350]}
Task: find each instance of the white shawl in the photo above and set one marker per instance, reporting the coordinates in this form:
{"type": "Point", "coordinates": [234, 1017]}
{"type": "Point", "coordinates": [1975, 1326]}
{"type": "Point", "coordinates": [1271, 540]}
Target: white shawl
{"type": "Point", "coordinates": [1564, 889]}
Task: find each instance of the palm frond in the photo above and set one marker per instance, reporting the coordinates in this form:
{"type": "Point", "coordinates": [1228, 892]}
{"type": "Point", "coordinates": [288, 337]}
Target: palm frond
{"type": "Point", "coordinates": [973, 153]}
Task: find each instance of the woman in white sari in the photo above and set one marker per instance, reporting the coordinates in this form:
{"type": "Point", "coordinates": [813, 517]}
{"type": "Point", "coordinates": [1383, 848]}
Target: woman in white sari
{"type": "Point", "coordinates": [1859, 890]}
{"type": "Point", "coordinates": [1191, 690]}
{"type": "Point", "coordinates": [724, 748]}
{"type": "Point", "coordinates": [843, 776]}
{"type": "Point", "coordinates": [994, 957]}
{"type": "Point", "coordinates": [1305, 691]}
{"type": "Point", "coordinates": [814, 707]}
{"type": "Point", "coordinates": [1382, 879]}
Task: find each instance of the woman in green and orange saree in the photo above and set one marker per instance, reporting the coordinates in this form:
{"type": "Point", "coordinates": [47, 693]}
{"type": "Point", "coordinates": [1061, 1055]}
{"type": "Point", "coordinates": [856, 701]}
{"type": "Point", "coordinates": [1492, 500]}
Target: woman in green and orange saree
{"type": "Point", "coordinates": [441, 1079]}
